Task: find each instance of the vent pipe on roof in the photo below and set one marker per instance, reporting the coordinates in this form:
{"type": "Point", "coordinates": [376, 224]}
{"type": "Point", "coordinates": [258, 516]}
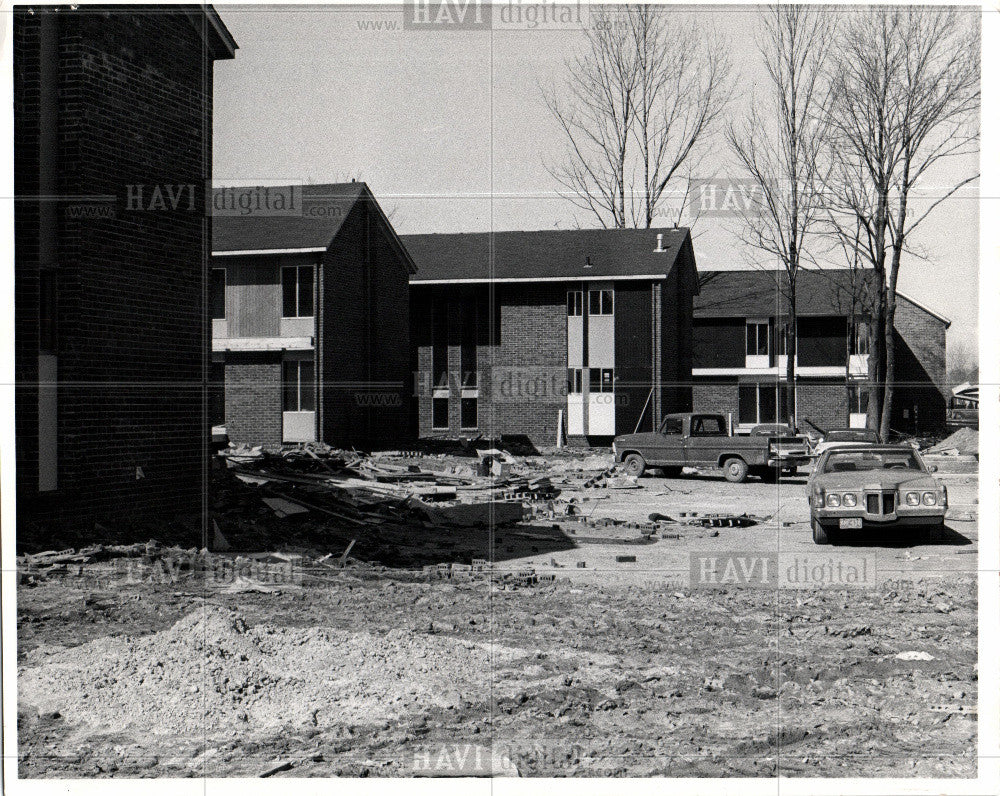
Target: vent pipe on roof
{"type": "Point", "coordinates": [659, 243]}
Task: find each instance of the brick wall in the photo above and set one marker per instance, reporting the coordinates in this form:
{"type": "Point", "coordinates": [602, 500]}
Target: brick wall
{"type": "Point", "coordinates": [253, 398]}
{"type": "Point", "coordinates": [920, 367]}
{"type": "Point", "coordinates": [825, 403]}
{"type": "Point", "coordinates": [135, 98]}
{"type": "Point", "coordinates": [364, 336]}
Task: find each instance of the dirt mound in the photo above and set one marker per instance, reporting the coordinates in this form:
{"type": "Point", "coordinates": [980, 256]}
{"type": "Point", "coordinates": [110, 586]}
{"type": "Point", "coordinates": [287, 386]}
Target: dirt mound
{"type": "Point", "coordinates": [965, 441]}
{"type": "Point", "coordinates": [212, 675]}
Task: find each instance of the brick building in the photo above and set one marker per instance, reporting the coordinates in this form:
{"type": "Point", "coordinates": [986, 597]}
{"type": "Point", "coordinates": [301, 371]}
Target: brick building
{"type": "Point", "coordinates": [113, 147]}
{"type": "Point", "coordinates": [310, 317]}
{"type": "Point", "coordinates": [739, 361]}
{"type": "Point", "coordinates": [509, 329]}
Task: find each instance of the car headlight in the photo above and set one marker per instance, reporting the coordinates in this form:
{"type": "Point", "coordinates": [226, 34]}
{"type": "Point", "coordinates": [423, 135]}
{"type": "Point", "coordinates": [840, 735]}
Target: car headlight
{"type": "Point", "coordinates": [930, 499]}
{"type": "Point", "coordinates": [833, 500]}
{"type": "Point", "coordinates": [912, 498]}
{"type": "Point", "coordinates": [850, 499]}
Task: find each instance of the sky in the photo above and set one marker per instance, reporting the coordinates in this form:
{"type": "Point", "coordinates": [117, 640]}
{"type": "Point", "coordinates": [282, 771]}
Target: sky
{"type": "Point", "coordinates": [450, 130]}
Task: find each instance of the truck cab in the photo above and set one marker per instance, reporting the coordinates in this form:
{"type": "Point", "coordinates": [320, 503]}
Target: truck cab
{"type": "Point", "coordinates": [706, 440]}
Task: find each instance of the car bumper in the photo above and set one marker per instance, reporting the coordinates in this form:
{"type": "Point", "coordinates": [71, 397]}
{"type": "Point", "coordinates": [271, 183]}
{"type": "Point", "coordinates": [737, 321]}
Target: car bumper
{"type": "Point", "coordinates": [915, 516]}
{"type": "Point", "coordinates": [788, 462]}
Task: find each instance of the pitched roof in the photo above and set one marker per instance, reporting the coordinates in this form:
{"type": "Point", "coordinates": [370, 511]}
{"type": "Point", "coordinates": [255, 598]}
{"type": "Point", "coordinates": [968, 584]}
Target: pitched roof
{"type": "Point", "coordinates": [544, 255]}
{"type": "Point", "coordinates": [262, 218]}
{"type": "Point", "coordinates": [925, 308]}
{"type": "Point", "coordinates": [215, 34]}
{"type": "Point", "coordinates": [759, 293]}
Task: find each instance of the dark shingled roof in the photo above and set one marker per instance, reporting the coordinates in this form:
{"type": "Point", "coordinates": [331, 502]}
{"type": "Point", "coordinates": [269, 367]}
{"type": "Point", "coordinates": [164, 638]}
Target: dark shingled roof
{"type": "Point", "coordinates": [548, 254]}
{"type": "Point", "coordinates": [748, 294]}
{"type": "Point", "coordinates": [319, 212]}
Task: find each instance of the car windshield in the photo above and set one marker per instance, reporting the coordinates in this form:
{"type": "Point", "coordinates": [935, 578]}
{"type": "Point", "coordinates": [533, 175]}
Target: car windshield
{"type": "Point", "coordinates": [850, 436]}
{"type": "Point", "coordinates": [861, 461]}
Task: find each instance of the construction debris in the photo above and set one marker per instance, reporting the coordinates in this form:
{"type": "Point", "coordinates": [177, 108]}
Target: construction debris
{"type": "Point", "coordinates": [964, 442]}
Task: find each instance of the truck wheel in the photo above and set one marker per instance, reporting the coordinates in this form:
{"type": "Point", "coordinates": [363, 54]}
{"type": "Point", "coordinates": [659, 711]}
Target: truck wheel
{"type": "Point", "coordinates": [735, 470]}
{"type": "Point", "coordinates": [635, 464]}
{"type": "Point", "coordinates": [820, 535]}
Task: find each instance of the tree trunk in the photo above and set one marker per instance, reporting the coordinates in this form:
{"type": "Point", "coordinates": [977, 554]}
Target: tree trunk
{"type": "Point", "coordinates": [875, 362]}
{"type": "Point", "coordinates": [791, 346]}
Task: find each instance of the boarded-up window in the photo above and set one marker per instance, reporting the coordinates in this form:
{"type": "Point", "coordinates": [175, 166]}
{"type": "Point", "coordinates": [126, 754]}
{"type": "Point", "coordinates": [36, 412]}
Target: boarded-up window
{"type": "Point", "coordinates": [439, 413]}
{"type": "Point", "coordinates": [822, 342]}
{"type": "Point", "coordinates": [718, 343]}
{"type": "Point", "coordinates": [470, 412]}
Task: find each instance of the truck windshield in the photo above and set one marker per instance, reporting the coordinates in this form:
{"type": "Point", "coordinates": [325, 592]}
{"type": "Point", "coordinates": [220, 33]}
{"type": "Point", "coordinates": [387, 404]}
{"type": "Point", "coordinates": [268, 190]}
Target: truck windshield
{"type": "Point", "coordinates": [861, 461]}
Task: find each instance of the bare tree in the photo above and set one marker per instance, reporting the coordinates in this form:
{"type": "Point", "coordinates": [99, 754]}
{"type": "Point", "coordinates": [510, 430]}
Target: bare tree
{"type": "Point", "coordinates": [781, 149]}
{"type": "Point", "coordinates": [649, 89]}
{"type": "Point", "coordinates": [904, 97]}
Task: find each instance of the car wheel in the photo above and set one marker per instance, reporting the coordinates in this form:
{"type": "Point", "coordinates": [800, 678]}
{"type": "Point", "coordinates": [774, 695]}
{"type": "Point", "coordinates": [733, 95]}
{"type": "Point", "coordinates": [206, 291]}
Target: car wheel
{"type": "Point", "coordinates": [735, 470]}
{"type": "Point", "coordinates": [635, 465]}
{"type": "Point", "coordinates": [820, 536]}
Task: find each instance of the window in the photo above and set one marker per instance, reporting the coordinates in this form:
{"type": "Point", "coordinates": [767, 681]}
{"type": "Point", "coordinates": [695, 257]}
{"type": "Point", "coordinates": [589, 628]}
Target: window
{"type": "Point", "coordinates": [602, 302]}
{"type": "Point", "coordinates": [859, 338]}
{"type": "Point", "coordinates": [574, 302]}
{"type": "Point", "coordinates": [781, 340]}
{"type": "Point", "coordinates": [470, 412]}
{"type": "Point", "coordinates": [467, 349]}
{"type": "Point", "coordinates": [297, 291]}
{"type": "Point", "coordinates": [707, 427]}
{"type": "Point", "coordinates": [575, 381]}
{"type": "Point", "coordinates": [672, 425]}
{"type": "Point", "coordinates": [857, 398]}
{"type": "Point", "coordinates": [762, 403]}
{"type": "Point", "coordinates": [439, 346]}
{"type": "Point", "coordinates": [757, 339]}
{"type": "Point", "coordinates": [48, 318]}
{"type": "Point", "coordinates": [217, 393]}
{"type": "Point", "coordinates": [602, 380]}
{"type": "Point", "coordinates": [299, 386]}
{"type": "Point", "coordinates": [218, 297]}
{"type": "Point", "coordinates": [439, 413]}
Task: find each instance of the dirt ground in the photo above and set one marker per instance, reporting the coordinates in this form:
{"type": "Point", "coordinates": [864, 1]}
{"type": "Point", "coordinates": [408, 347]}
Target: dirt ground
{"type": "Point", "coordinates": [615, 668]}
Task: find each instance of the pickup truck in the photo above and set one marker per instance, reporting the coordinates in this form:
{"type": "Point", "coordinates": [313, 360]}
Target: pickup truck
{"type": "Point", "coordinates": [703, 440]}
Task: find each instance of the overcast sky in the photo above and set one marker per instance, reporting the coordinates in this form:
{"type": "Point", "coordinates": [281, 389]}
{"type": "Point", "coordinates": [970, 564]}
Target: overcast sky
{"type": "Point", "coordinates": [450, 131]}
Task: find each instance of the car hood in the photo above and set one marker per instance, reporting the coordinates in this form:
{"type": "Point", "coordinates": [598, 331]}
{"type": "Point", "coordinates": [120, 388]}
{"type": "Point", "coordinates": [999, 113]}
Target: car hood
{"type": "Point", "coordinates": [879, 479]}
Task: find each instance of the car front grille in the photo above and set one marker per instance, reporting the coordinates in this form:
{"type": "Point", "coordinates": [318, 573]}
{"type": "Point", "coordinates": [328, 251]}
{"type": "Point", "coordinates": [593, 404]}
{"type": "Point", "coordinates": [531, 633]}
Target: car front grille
{"type": "Point", "coordinates": [880, 502]}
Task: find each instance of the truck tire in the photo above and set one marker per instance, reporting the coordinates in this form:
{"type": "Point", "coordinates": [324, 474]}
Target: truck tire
{"type": "Point", "coordinates": [820, 536]}
{"type": "Point", "coordinates": [634, 464]}
{"type": "Point", "coordinates": [735, 470]}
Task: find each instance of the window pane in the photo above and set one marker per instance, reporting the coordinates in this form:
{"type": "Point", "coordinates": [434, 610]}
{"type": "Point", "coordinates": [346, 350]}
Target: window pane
{"type": "Point", "coordinates": [470, 412]}
{"type": "Point", "coordinates": [306, 291]}
{"type": "Point", "coordinates": [595, 379]}
{"type": "Point", "coordinates": [288, 292]}
{"type": "Point", "coordinates": [218, 290]}
{"type": "Point", "coordinates": [217, 393]}
{"type": "Point", "coordinates": [747, 396]}
{"type": "Point", "coordinates": [608, 302]}
{"type": "Point", "coordinates": [751, 339]}
{"type": "Point", "coordinates": [290, 380]}
{"type": "Point", "coordinates": [673, 426]}
{"type": "Point", "coordinates": [768, 403]}
{"type": "Point", "coordinates": [439, 413]}
{"type": "Point", "coordinates": [572, 305]}
{"type": "Point", "coordinates": [307, 387]}
{"type": "Point", "coordinates": [595, 302]}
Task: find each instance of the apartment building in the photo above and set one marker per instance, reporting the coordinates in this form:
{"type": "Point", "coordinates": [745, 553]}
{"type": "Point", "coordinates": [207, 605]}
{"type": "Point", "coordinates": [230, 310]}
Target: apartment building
{"type": "Point", "coordinates": [112, 115]}
{"type": "Point", "coordinates": [521, 333]}
{"type": "Point", "coordinates": [310, 317]}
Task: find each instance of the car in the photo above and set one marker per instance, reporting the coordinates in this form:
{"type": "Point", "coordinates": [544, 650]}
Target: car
{"type": "Point", "coordinates": [963, 408]}
{"type": "Point", "coordinates": [706, 440]}
{"type": "Point", "coordinates": [870, 487]}
{"type": "Point", "coordinates": [843, 437]}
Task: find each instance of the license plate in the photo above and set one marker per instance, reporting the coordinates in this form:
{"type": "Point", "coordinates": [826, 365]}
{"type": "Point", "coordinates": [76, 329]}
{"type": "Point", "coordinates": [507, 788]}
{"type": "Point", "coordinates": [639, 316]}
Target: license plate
{"type": "Point", "coordinates": [850, 523]}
